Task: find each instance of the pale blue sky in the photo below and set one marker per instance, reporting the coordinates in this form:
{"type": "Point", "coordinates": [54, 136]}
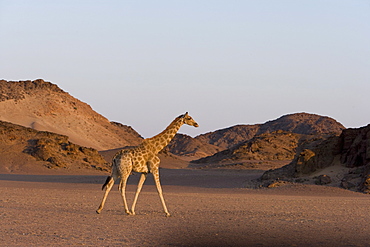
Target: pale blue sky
{"type": "Point", "coordinates": [227, 62]}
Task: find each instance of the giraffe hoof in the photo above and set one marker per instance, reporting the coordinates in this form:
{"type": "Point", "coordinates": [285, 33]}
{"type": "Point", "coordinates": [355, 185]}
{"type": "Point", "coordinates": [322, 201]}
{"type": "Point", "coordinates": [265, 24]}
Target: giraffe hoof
{"type": "Point", "coordinates": [98, 211]}
{"type": "Point", "coordinates": [168, 214]}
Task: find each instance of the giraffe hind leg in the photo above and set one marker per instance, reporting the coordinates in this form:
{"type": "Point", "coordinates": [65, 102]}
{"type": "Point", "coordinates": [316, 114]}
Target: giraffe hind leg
{"type": "Point", "coordinates": [122, 189]}
{"type": "Point", "coordinates": [139, 186]}
{"type": "Point", "coordinates": [108, 184]}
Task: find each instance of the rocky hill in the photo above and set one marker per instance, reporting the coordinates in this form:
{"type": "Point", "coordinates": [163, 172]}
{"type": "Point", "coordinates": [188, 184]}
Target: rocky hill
{"type": "Point", "coordinates": [342, 160]}
{"type": "Point", "coordinates": [24, 149]}
{"type": "Point", "coordinates": [228, 137]}
{"type": "Point", "coordinates": [278, 145]}
{"type": "Point", "coordinates": [300, 123]}
{"type": "Point", "coordinates": [43, 106]}
{"type": "Point", "coordinates": [224, 139]}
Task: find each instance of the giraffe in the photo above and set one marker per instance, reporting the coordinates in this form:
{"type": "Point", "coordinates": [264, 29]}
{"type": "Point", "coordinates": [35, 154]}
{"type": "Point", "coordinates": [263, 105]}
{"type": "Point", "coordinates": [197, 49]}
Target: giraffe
{"type": "Point", "coordinates": [142, 159]}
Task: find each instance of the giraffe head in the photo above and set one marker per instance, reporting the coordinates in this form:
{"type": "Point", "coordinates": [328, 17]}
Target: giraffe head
{"type": "Point", "coordinates": [189, 120]}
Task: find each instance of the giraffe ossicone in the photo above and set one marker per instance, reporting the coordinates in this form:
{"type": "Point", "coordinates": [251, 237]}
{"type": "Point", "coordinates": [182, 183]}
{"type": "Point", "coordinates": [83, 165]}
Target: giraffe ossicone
{"type": "Point", "coordinates": [142, 159]}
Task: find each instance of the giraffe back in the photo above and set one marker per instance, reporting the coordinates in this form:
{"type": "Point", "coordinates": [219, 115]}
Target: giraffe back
{"type": "Point", "coordinates": [133, 159]}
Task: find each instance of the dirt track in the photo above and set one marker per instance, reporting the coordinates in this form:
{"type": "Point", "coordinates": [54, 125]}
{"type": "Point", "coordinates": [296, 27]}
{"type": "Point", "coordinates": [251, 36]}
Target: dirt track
{"type": "Point", "coordinates": [209, 208]}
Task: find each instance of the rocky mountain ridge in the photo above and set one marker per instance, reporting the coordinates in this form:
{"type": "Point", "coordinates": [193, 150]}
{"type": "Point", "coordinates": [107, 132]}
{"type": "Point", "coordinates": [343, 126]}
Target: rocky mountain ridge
{"type": "Point", "coordinates": [58, 127]}
{"type": "Point", "coordinates": [223, 139]}
{"type": "Point", "coordinates": [44, 106]}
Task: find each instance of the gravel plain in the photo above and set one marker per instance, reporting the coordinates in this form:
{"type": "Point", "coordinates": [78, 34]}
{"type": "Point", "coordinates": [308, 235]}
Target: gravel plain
{"type": "Point", "coordinates": [208, 208]}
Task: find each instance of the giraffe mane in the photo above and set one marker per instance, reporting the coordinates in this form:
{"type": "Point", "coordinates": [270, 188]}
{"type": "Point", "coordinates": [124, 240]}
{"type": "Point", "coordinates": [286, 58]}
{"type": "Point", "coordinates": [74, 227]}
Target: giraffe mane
{"type": "Point", "coordinates": [182, 115]}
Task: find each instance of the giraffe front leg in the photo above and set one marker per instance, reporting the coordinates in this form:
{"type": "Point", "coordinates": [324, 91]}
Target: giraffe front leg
{"type": "Point", "coordinates": [159, 189]}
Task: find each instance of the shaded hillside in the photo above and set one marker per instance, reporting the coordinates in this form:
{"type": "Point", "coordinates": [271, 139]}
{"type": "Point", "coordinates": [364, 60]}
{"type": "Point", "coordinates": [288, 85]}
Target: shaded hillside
{"type": "Point", "coordinates": [44, 106]}
{"type": "Point", "coordinates": [225, 138]}
{"type": "Point", "coordinates": [350, 150]}
{"type": "Point", "coordinates": [184, 145]}
{"type": "Point", "coordinates": [24, 149]}
{"type": "Point", "coordinates": [278, 145]}
{"type": "Point", "coordinates": [298, 123]}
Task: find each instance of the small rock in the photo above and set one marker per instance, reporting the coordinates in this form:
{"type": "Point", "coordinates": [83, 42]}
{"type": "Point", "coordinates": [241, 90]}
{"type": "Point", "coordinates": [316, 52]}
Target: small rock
{"type": "Point", "coordinates": [323, 179]}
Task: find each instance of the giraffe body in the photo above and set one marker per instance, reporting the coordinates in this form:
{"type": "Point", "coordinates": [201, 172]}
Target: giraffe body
{"type": "Point", "coordinates": [142, 159]}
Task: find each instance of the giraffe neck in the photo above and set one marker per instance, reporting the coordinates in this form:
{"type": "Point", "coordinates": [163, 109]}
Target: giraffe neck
{"type": "Point", "coordinates": [158, 142]}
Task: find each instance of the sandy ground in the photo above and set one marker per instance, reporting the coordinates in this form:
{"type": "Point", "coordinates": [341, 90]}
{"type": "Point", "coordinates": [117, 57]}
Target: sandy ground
{"type": "Point", "coordinates": [208, 207]}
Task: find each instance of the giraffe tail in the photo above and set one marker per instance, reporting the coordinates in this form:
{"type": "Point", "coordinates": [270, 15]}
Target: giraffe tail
{"type": "Point", "coordinates": [109, 178]}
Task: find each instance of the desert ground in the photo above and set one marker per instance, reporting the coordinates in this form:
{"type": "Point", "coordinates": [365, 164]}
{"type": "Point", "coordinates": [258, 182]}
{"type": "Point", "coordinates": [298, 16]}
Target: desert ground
{"type": "Point", "coordinates": [214, 207]}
